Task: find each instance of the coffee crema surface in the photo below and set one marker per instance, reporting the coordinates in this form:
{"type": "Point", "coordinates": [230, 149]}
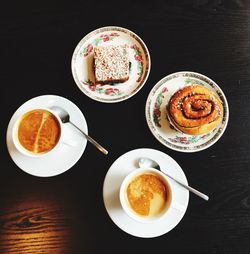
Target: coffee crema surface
{"type": "Point", "coordinates": [147, 195]}
{"type": "Point", "coordinates": [38, 131]}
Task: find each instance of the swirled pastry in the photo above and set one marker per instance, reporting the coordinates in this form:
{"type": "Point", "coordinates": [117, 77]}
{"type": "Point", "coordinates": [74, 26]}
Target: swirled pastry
{"type": "Point", "coordinates": [195, 110]}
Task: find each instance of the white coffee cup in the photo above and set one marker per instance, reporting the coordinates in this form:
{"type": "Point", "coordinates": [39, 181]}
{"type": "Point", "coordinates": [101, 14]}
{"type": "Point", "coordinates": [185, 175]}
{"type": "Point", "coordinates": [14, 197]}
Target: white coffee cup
{"type": "Point", "coordinates": [25, 151]}
{"type": "Point", "coordinates": [126, 205]}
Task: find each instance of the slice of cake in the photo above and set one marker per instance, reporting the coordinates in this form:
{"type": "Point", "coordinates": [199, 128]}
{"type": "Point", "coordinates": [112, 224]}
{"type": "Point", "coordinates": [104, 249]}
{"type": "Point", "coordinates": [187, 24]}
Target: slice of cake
{"type": "Point", "coordinates": [111, 64]}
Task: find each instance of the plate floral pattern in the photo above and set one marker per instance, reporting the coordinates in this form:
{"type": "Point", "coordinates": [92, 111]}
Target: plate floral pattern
{"type": "Point", "coordinates": [83, 71]}
{"type": "Point", "coordinates": [159, 124]}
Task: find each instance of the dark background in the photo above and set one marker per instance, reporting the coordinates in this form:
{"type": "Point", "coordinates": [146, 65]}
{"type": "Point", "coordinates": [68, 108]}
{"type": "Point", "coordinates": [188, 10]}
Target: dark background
{"type": "Point", "coordinates": [65, 214]}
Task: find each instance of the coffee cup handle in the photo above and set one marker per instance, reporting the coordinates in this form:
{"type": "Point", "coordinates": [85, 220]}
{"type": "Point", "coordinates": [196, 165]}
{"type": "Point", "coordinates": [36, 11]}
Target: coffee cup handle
{"type": "Point", "coordinates": [69, 143]}
{"type": "Point", "coordinates": [178, 207]}
{"type": "Point", "coordinates": [67, 138]}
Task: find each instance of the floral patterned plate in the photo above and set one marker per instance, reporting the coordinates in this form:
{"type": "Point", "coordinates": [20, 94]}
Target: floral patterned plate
{"type": "Point", "coordinates": [83, 71]}
{"type": "Point", "coordinates": [156, 113]}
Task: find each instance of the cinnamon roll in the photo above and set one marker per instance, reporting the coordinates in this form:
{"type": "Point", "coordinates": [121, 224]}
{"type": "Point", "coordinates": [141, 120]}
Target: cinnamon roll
{"type": "Point", "coordinates": [195, 110]}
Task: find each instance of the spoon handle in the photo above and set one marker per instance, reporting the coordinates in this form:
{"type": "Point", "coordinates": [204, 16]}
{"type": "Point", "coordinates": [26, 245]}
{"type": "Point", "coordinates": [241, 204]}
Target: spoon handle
{"type": "Point", "coordinates": [91, 140]}
{"type": "Point", "coordinates": [196, 192]}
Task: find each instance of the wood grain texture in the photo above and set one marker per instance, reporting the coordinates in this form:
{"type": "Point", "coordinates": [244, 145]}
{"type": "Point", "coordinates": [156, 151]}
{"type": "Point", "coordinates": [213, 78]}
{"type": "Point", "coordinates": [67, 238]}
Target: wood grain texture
{"type": "Point", "coordinates": [65, 214]}
{"type": "Point", "coordinates": [34, 230]}
{"type": "Point", "coordinates": [34, 224]}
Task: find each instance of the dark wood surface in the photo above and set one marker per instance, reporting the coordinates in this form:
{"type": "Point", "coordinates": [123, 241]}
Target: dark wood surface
{"type": "Point", "coordinates": [65, 214]}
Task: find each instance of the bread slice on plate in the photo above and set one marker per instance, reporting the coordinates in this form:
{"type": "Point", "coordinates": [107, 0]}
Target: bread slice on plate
{"type": "Point", "coordinates": [111, 64]}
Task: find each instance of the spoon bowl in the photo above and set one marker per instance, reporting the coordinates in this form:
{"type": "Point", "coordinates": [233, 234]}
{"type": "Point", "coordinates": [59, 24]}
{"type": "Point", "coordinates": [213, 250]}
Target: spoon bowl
{"type": "Point", "coordinates": [65, 118]}
{"type": "Point", "coordinates": [149, 163]}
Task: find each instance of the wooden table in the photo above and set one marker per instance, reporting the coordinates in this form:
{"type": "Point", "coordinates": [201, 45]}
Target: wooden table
{"type": "Point", "coordinates": [66, 214]}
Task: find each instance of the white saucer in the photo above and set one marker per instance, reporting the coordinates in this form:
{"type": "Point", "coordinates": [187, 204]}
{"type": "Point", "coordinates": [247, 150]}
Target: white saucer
{"type": "Point", "coordinates": [114, 177]}
{"type": "Point", "coordinates": [83, 61]}
{"type": "Point", "coordinates": [61, 159]}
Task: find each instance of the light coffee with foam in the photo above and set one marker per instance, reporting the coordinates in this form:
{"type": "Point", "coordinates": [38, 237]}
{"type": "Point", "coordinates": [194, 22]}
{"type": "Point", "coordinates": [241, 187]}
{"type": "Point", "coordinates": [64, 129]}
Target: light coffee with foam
{"type": "Point", "coordinates": [37, 132]}
{"type": "Point", "coordinates": [145, 194]}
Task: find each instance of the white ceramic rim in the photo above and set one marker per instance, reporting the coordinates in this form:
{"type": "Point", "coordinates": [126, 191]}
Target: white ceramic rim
{"type": "Point", "coordinates": [35, 166]}
{"type": "Point", "coordinates": [119, 169]}
{"type": "Point", "coordinates": [175, 147]}
{"type": "Point", "coordinates": [119, 29]}
{"type": "Point", "coordinates": [26, 152]}
{"type": "Point", "coordinates": [123, 201]}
